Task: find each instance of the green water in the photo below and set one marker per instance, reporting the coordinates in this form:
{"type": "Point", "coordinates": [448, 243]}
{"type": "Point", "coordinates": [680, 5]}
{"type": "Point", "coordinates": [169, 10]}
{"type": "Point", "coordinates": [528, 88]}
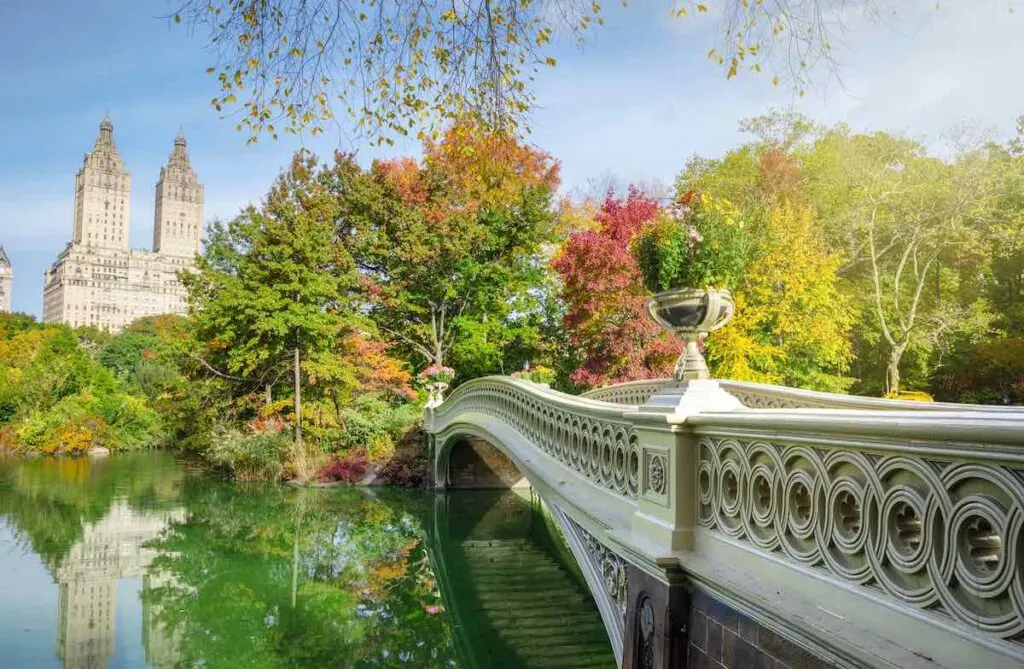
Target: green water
{"type": "Point", "coordinates": [136, 561]}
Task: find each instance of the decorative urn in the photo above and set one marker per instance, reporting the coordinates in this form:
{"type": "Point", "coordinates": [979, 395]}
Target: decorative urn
{"type": "Point", "coordinates": [691, 313]}
{"type": "Point", "coordinates": [435, 392]}
{"type": "Point", "coordinates": [436, 379]}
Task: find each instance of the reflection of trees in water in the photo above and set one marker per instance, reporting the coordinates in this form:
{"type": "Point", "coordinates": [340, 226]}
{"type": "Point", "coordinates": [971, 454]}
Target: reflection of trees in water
{"type": "Point", "coordinates": [271, 576]}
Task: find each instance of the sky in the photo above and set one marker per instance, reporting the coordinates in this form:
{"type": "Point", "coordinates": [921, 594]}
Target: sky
{"type": "Point", "coordinates": [634, 103]}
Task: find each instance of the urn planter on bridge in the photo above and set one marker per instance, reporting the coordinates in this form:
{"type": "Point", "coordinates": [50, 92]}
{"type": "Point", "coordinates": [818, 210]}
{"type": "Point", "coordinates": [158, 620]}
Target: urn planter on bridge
{"type": "Point", "coordinates": [688, 256]}
{"type": "Point", "coordinates": [691, 313]}
{"type": "Point", "coordinates": [436, 379]}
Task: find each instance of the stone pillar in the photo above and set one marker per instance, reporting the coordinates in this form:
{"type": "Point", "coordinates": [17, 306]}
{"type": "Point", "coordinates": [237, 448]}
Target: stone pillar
{"type": "Point", "coordinates": [667, 497]}
{"type": "Point", "coordinates": [656, 635]}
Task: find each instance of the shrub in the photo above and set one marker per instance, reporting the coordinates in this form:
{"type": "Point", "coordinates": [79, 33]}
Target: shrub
{"type": "Point", "coordinates": [375, 425]}
{"type": "Point", "coordinates": [72, 425]}
{"type": "Point", "coordinates": [702, 243]}
{"type": "Point", "coordinates": [409, 467]}
{"type": "Point", "coordinates": [349, 468]}
{"type": "Point", "coordinates": [248, 456]}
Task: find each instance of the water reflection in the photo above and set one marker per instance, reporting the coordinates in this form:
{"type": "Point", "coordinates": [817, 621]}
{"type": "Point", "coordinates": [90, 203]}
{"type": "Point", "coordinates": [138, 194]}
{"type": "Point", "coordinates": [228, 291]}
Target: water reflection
{"type": "Point", "coordinates": [157, 567]}
{"type": "Point", "coordinates": [113, 549]}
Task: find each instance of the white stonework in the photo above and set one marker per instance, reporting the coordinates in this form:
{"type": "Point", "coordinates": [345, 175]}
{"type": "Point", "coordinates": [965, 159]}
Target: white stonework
{"type": "Point", "coordinates": [177, 224]}
{"type": "Point", "coordinates": [98, 279]}
{"type": "Point", "coordinates": [6, 281]}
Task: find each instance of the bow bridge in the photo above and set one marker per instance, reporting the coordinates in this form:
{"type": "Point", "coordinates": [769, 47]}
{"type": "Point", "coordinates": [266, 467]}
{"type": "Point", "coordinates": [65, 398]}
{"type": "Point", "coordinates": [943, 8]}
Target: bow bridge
{"type": "Point", "coordinates": [720, 523]}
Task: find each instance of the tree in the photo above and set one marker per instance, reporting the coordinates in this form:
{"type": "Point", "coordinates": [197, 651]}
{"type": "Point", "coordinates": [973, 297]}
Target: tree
{"type": "Point", "coordinates": [397, 67]}
{"type": "Point", "coordinates": [604, 296]}
{"type": "Point", "coordinates": [792, 324]}
{"type": "Point", "coordinates": [450, 249]}
{"type": "Point", "coordinates": [793, 320]}
{"type": "Point", "coordinates": [926, 244]}
{"type": "Point", "coordinates": [901, 215]}
{"type": "Point", "coordinates": [56, 398]}
{"type": "Point", "coordinates": [1005, 234]}
{"type": "Point", "coordinates": [273, 286]}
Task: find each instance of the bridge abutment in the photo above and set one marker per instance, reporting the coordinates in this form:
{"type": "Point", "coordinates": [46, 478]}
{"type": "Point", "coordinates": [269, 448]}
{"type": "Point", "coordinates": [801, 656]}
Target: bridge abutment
{"type": "Point", "coordinates": [475, 464]}
{"type": "Point", "coordinates": [657, 626]}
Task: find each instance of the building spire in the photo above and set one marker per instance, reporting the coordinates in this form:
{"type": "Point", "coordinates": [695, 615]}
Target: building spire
{"type": "Point", "coordinates": [4, 260]}
{"type": "Point", "coordinates": [106, 136]}
{"type": "Point", "coordinates": [179, 154]}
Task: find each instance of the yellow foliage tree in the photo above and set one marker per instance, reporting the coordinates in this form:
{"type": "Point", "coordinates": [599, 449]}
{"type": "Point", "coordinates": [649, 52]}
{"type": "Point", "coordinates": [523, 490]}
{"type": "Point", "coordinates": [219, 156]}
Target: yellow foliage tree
{"type": "Point", "coordinates": [792, 324]}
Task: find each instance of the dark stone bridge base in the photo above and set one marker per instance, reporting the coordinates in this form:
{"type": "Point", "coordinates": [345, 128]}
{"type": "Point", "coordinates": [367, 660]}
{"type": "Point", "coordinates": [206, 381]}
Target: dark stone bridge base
{"type": "Point", "coordinates": [687, 628]}
{"type": "Point", "coordinates": [476, 464]}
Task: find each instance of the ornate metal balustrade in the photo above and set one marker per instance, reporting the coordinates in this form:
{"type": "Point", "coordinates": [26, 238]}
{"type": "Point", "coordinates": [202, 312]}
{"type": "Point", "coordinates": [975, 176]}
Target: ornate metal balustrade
{"type": "Point", "coordinates": [763, 396]}
{"type": "Point", "coordinates": [633, 393]}
{"type": "Point", "coordinates": [927, 509]}
{"type": "Point", "coordinates": [590, 437]}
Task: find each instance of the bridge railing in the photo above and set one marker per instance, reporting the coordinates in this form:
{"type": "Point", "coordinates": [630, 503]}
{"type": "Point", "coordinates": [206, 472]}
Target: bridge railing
{"type": "Point", "coordinates": [925, 508]}
{"type": "Point", "coordinates": [765, 396]}
{"type": "Point", "coordinates": [591, 437]}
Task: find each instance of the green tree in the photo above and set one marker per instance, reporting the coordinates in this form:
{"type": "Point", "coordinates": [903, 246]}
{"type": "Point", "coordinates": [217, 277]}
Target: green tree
{"type": "Point", "coordinates": [273, 286]}
{"type": "Point", "coordinates": [56, 398]}
{"type": "Point", "coordinates": [908, 223]}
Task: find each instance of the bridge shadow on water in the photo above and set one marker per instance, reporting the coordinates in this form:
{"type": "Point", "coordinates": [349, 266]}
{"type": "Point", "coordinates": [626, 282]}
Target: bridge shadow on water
{"type": "Point", "coordinates": [512, 588]}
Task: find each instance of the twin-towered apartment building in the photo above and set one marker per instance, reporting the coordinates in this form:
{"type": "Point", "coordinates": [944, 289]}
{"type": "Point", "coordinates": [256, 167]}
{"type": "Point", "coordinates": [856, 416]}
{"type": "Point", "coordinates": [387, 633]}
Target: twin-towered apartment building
{"type": "Point", "coordinates": [98, 279]}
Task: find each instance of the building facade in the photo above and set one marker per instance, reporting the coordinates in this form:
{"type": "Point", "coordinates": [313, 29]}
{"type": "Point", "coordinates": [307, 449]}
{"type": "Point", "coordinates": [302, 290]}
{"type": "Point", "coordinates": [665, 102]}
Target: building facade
{"type": "Point", "coordinates": [6, 281]}
{"type": "Point", "coordinates": [98, 279]}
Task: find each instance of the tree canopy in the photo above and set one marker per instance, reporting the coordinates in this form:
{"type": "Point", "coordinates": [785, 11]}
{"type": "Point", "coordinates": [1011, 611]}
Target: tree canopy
{"type": "Point", "coordinates": [396, 68]}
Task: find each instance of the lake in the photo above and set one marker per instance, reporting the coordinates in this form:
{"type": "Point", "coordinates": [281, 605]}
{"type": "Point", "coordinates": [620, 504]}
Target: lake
{"type": "Point", "coordinates": [142, 561]}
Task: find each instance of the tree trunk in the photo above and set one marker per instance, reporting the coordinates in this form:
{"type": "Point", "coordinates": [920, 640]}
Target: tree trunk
{"type": "Point", "coordinates": [295, 567]}
{"type": "Point", "coordinates": [298, 399]}
{"type": "Point", "coordinates": [268, 395]}
{"type": "Point", "coordinates": [892, 372]}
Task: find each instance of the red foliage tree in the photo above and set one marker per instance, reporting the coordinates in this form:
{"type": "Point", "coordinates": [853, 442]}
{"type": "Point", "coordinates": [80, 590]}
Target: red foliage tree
{"type": "Point", "coordinates": [604, 294]}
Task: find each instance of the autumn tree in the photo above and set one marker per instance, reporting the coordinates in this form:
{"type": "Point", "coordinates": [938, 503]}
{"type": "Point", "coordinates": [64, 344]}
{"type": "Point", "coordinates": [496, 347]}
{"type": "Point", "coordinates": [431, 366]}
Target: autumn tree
{"type": "Point", "coordinates": [793, 323]}
{"type": "Point", "coordinates": [602, 288]}
{"type": "Point", "coordinates": [396, 67]}
{"type": "Point", "coordinates": [450, 248]}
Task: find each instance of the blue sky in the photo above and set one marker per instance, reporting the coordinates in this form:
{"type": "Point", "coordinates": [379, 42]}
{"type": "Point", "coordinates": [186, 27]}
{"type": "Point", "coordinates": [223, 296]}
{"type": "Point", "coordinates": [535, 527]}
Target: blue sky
{"type": "Point", "coordinates": [635, 102]}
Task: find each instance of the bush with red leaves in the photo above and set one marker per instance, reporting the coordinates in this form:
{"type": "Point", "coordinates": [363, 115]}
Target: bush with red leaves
{"type": "Point", "coordinates": [349, 468]}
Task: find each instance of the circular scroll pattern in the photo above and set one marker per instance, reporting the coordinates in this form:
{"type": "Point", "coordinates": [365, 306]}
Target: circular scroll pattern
{"type": "Point", "coordinates": [592, 442]}
{"type": "Point", "coordinates": [940, 536]}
